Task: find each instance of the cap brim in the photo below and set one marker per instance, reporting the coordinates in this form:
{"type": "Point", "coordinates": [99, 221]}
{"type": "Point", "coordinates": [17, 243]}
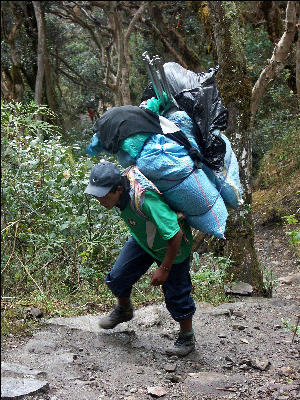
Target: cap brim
{"type": "Point", "coordinates": [98, 191]}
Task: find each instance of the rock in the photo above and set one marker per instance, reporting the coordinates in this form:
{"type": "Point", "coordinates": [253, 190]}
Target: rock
{"type": "Point", "coordinates": [238, 314]}
{"type": "Point", "coordinates": [285, 371]}
{"type": "Point", "coordinates": [245, 361]}
{"type": "Point", "coordinates": [168, 334]}
{"type": "Point", "coordinates": [150, 318]}
{"type": "Point", "coordinates": [40, 346]}
{"type": "Point", "coordinates": [219, 311]}
{"type": "Point", "coordinates": [175, 378]}
{"type": "Point", "coordinates": [9, 369]}
{"type": "Point", "coordinates": [140, 371]}
{"type": "Point", "coordinates": [290, 279]}
{"type": "Point", "coordinates": [239, 327]}
{"type": "Point", "coordinates": [156, 391]}
{"type": "Point", "coordinates": [36, 312]}
{"type": "Point", "coordinates": [203, 384]}
{"type": "Point", "coordinates": [170, 367]}
{"type": "Point", "coordinates": [12, 388]}
{"type": "Point", "coordinates": [240, 288]}
{"type": "Point", "coordinates": [244, 367]}
{"type": "Point", "coordinates": [65, 358]}
{"type": "Point", "coordinates": [262, 364]}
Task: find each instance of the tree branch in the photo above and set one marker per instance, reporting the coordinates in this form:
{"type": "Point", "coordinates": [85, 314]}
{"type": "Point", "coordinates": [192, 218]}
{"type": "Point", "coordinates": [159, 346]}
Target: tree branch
{"type": "Point", "coordinates": [278, 59]}
{"type": "Point", "coordinates": [70, 68]}
{"type": "Point", "coordinates": [169, 46]}
{"type": "Point", "coordinates": [134, 21]}
{"type": "Point", "coordinates": [71, 78]}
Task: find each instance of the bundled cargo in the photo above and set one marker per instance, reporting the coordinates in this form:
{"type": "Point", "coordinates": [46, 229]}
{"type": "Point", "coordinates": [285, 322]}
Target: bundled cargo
{"type": "Point", "coordinates": [226, 180]}
{"type": "Point", "coordinates": [186, 189]}
{"type": "Point", "coordinates": [182, 151]}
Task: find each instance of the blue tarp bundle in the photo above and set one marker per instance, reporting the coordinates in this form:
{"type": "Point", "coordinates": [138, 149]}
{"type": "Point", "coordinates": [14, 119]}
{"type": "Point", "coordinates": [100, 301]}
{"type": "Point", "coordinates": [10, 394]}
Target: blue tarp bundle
{"type": "Point", "coordinates": [227, 180]}
{"type": "Point", "coordinates": [189, 191]}
{"type": "Point", "coordinates": [201, 194]}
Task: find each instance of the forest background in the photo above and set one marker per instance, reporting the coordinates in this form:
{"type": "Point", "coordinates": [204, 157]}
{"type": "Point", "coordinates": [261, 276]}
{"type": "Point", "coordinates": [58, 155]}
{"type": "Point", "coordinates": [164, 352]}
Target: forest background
{"type": "Point", "coordinates": [57, 246]}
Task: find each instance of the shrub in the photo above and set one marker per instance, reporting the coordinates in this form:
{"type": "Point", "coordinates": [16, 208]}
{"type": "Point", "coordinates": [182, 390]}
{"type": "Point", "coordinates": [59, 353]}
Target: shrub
{"type": "Point", "coordinates": [54, 239]}
{"type": "Point", "coordinates": [209, 277]}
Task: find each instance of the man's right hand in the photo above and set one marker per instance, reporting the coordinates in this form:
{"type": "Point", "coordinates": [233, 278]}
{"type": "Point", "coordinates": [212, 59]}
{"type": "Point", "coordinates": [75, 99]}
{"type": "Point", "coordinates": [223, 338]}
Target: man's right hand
{"type": "Point", "coordinates": [159, 277]}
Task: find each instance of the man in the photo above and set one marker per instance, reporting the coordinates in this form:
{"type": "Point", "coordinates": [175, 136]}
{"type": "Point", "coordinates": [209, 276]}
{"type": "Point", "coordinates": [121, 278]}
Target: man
{"type": "Point", "coordinates": [156, 237]}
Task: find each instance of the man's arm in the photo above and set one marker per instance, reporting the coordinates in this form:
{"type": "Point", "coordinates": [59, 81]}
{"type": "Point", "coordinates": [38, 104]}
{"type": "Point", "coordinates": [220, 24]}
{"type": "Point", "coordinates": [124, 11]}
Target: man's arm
{"type": "Point", "coordinates": [161, 274]}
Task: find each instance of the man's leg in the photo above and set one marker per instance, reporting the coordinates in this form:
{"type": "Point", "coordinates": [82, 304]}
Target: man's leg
{"type": "Point", "coordinates": [131, 264]}
{"type": "Point", "coordinates": [177, 291]}
{"type": "Point", "coordinates": [186, 325]}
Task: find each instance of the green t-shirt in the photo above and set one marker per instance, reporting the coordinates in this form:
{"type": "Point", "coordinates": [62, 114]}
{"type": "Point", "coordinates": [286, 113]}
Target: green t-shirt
{"type": "Point", "coordinates": [153, 232]}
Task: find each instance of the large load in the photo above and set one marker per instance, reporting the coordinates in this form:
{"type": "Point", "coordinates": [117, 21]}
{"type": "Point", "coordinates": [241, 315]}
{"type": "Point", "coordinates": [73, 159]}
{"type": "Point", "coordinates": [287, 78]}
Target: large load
{"type": "Point", "coordinates": [174, 140]}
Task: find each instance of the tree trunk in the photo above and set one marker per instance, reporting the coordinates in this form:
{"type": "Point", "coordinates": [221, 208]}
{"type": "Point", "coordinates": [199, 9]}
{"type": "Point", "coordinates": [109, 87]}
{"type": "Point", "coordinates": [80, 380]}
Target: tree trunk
{"type": "Point", "coordinates": [50, 93]}
{"type": "Point", "coordinates": [12, 86]}
{"type": "Point", "coordinates": [41, 53]}
{"type": "Point", "coordinates": [278, 59]}
{"type": "Point", "coordinates": [273, 19]}
{"type": "Point", "coordinates": [298, 66]}
{"type": "Point", "coordinates": [235, 89]}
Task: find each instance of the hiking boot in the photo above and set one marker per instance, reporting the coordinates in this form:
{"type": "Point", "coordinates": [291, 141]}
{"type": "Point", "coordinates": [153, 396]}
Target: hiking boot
{"type": "Point", "coordinates": [184, 344]}
{"type": "Point", "coordinates": [117, 316]}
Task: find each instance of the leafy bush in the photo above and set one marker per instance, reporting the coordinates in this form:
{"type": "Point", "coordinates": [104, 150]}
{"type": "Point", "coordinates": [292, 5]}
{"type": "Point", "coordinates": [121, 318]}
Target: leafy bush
{"type": "Point", "coordinates": [291, 327]}
{"type": "Point", "coordinates": [54, 240]}
{"type": "Point", "coordinates": [208, 277]}
{"type": "Point", "coordinates": [277, 180]}
{"type": "Point", "coordinates": [294, 235]}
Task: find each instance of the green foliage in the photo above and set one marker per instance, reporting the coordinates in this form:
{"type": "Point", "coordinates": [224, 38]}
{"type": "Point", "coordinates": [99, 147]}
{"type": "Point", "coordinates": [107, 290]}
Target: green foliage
{"type": "Point", "coordinates": [21, 119]}
{"type": "Point", "coordinates": [53, 239]}
{"type": "Point", "coordinates": [14, 319]}
{"type": "Point", "coordinates": [258, 48]}
{"type": "Point", "coordinates": [277, 128]}
{"type": "Point", "coordinates": [209, 278]}
{"type": "Point", "coordinates": [270, 282]}
{"type": "Point", "coordinates": [278, 175]}
{"type": "Point", "coordinates": [290, 326]}
{"type": "Point", "coordinates": [294, 235]}
{"type": "Point", "coordinates": [277, 118]}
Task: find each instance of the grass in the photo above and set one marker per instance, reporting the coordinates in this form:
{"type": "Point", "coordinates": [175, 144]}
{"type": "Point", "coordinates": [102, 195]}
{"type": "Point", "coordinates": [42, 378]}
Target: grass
{"type": "Point", "coordinates": [209, 274]}
{"type": "Point", "coordinates": [16, 319]}
{"type": "Point", "coordinates": [276, 189]}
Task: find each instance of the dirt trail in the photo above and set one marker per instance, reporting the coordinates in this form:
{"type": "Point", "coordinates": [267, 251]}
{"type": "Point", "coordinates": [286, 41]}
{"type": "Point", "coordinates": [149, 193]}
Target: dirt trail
{"type": "Point", "coordinates": [242, 352]}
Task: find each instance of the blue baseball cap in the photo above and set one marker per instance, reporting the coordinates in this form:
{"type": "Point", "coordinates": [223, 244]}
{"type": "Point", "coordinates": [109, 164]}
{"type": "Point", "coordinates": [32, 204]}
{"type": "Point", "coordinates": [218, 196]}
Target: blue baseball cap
{"type": "Point", "coordinates": [104, 176]}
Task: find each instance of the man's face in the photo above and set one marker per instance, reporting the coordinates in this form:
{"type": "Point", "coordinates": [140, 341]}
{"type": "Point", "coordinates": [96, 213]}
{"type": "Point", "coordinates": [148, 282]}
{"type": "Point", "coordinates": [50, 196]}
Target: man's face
{"type": "Point", "coordinates": [111, 199]}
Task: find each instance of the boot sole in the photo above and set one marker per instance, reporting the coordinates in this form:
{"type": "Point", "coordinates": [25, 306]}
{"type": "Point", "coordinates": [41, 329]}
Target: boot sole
{"type": "Point", "coordinates": [114, 325]}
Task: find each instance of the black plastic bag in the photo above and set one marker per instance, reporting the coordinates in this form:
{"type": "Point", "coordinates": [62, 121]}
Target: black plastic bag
{"type": "Point", "coordinates": [198, 96]}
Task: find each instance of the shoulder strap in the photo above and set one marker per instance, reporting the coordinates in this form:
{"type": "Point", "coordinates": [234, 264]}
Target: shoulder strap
{"type": "Point", "coordinates": [195, 155]}
{"type": "Point", "coordinates": [138, 185]}
{"type": "Point", "coordinates": [172, 131]}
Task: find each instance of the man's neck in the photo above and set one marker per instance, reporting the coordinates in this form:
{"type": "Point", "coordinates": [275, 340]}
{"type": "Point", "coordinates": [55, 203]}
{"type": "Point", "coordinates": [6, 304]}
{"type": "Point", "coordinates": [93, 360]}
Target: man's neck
{"type": "Point", "coordinates": [124, 198]}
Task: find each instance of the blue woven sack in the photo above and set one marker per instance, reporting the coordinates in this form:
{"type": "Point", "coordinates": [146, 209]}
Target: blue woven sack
{"type": "Point", "coordinates": [189, 191]}
{"type": "Point", "coordinates": [227, 181]}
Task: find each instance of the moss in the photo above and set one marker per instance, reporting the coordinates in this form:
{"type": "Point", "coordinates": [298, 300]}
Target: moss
{"type": "Point", "coordinates": [233, 68]}
{"type": "Point", "coordinates": [240, 247]}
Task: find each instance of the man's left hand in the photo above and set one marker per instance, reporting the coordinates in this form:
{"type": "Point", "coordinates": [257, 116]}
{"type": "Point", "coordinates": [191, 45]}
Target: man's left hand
{"type": "Point", "coordinates": [159, 277]}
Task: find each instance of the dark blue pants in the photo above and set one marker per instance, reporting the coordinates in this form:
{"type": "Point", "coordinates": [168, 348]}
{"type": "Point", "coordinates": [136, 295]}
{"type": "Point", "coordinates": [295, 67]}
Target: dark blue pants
{"type": "Point", "coordinates": [133, 262]}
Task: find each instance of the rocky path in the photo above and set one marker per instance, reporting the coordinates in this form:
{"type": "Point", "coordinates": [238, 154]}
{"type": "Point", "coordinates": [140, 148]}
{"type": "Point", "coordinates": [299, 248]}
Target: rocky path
{"type": "Point", "coordinates": [242, 351]}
